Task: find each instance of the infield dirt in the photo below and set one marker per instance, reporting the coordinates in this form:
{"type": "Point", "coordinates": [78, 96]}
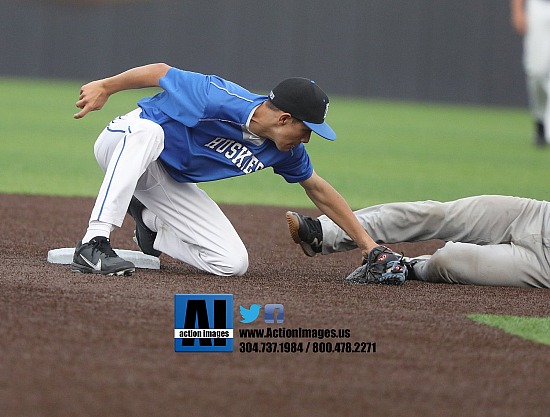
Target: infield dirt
{"type": "Point", "coordinates": [83, 345]}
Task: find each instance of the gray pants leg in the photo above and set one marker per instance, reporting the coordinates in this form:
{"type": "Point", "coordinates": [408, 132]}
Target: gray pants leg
{"type": "Point", "coordinates": [492, 240]}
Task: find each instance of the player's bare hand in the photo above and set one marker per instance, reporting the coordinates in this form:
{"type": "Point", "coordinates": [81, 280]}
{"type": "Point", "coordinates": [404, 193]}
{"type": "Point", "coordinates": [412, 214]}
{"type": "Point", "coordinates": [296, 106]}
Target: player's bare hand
{"type": "Point", "coordinates": [519, 17]}
{"type": "Point", "coordinates": [92, 97]}
{"type": "Point", "coordinates": [520, 24]}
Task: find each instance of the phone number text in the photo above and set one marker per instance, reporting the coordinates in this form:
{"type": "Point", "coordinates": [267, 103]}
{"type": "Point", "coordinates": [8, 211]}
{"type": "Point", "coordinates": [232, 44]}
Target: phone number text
{"type": "Point", "coordinates": [307, 347]}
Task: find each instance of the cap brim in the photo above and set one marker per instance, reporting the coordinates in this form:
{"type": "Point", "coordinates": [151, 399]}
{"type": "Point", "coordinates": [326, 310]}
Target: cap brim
{"type": "Point", "coordinates": [322, 129]}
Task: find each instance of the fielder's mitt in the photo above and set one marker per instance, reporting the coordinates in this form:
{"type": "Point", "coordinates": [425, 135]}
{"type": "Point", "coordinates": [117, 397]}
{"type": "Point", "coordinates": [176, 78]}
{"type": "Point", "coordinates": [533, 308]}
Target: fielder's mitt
{"type": "Point", "coordinates": [382, 266]}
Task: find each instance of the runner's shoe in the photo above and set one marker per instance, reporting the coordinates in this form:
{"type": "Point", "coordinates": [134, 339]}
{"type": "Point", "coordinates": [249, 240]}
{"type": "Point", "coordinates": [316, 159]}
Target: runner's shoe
{"type": "Point", "coordinates": [143, 236]}
{"type": "Point", "coordinates": [98, 257]}
{"type": "Point", "coordinates": [305, 231]}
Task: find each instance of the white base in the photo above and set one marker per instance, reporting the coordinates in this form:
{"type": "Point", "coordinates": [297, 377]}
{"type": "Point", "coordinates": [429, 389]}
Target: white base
{"type": "Point", "coordinates": [139, 259]}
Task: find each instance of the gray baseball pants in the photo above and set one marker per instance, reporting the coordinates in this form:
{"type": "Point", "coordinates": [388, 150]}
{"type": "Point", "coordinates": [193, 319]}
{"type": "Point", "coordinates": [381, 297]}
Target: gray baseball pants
{"type": "Point", "coordinates": [491, 240]}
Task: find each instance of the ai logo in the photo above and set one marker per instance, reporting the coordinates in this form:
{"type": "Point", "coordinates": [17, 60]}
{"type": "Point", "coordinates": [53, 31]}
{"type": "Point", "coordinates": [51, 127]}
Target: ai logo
{"type": "Point", "coordinates": [203, 323]}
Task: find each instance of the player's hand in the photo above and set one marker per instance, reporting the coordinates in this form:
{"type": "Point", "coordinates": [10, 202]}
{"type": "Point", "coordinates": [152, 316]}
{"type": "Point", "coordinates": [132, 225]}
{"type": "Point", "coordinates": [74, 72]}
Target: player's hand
{"type": "Point", "coordinates": [519, 17]}
{"type": "Point", "coordinates": [520, 24]}
{"type": "Point", "coordinates": [92, 97]}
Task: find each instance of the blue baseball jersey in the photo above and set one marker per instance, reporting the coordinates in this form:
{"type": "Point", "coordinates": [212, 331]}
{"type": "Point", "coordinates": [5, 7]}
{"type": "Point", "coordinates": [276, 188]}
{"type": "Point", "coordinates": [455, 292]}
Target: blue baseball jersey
{"type": "Point", "coordinates": [205, 121]}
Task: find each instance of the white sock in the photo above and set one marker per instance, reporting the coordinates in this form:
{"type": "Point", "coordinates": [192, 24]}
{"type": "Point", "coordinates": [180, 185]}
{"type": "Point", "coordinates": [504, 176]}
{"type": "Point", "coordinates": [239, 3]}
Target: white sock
{"type": "Point", "coordinates": [97, 228]}
{"type": "Point", "coordinates": [150, 219]}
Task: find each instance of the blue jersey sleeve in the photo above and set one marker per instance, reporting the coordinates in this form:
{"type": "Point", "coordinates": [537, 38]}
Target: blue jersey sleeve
{"type": "Point", "coordinates": [185, 97]}
{"type": "Point", "coordinates": [297, 168]}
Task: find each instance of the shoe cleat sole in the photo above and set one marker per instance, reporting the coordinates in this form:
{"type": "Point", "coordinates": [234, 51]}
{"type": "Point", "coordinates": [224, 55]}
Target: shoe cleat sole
{"type": "Point", "coordinates": [294, 229]}
{"type": "Point", "coordinates": [125, 272]}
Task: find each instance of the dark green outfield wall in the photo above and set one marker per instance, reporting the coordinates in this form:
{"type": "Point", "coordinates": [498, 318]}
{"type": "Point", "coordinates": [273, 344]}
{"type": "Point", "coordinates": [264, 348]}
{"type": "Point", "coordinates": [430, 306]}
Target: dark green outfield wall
{"type": "Point", "coordinates": [438, 50]}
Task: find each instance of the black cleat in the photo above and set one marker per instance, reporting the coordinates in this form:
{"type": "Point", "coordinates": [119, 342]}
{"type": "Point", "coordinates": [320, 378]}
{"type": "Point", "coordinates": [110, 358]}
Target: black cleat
{"type": "Point", "coordinates": [98, 257]}
{"type": "Point", "coordinates": [144, 236]}
{"type": "Point", "coordinates": [540, 138]}
{"type": "Point", "coordinates": [305, 231]}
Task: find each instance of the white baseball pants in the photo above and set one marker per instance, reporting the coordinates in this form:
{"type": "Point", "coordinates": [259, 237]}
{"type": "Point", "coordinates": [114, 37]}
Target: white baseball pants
{"type": "Point", "coordinates": [191, 226]}
{"type": "Point", "coordinates": [536, 60]}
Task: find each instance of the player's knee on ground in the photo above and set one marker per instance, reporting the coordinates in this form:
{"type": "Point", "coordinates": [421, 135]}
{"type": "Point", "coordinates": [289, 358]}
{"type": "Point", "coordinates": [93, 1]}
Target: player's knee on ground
{"type": "Point", "coordinates": [455, 263]}
{"type": "Point", "coordinates": [233, 265]}
{"type": "Point", "coordinates": [441, 267]}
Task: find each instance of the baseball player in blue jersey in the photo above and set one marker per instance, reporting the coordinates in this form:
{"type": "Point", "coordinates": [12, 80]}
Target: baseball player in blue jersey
{"type": "Point", "coordinates": [199, 128]}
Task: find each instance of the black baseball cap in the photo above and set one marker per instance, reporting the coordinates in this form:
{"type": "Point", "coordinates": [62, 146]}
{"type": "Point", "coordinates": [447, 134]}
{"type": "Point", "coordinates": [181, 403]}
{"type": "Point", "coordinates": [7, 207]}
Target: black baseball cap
{"type": "Point", "coordinates": [305, 101]}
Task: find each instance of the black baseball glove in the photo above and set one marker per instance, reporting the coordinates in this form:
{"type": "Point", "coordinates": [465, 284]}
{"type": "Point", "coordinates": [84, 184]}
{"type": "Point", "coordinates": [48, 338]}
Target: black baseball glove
{"type": "Point", "coordinates": [382, 266]}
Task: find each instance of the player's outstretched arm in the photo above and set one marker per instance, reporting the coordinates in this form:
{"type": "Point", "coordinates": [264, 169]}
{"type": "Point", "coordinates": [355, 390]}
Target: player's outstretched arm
{"type": "Point", "coordinates": [95, 94]}
{"type": "Point", "coordinates": [331, 203]}
{"type": "Point", "coordinates": [381, 265]}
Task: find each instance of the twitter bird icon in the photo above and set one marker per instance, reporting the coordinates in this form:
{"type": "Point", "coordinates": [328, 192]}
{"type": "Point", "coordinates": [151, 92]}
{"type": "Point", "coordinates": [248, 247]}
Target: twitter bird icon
{"type": "Point", "coordinates": [250, 314]}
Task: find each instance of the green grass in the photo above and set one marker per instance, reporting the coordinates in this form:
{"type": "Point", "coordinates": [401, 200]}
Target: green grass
{"type": "Point", "coordinates": [43, 149]}
{"type": "Point", "coordinates": [386, 151]}
{"type": "Point", "coordinates": [536, 329]}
